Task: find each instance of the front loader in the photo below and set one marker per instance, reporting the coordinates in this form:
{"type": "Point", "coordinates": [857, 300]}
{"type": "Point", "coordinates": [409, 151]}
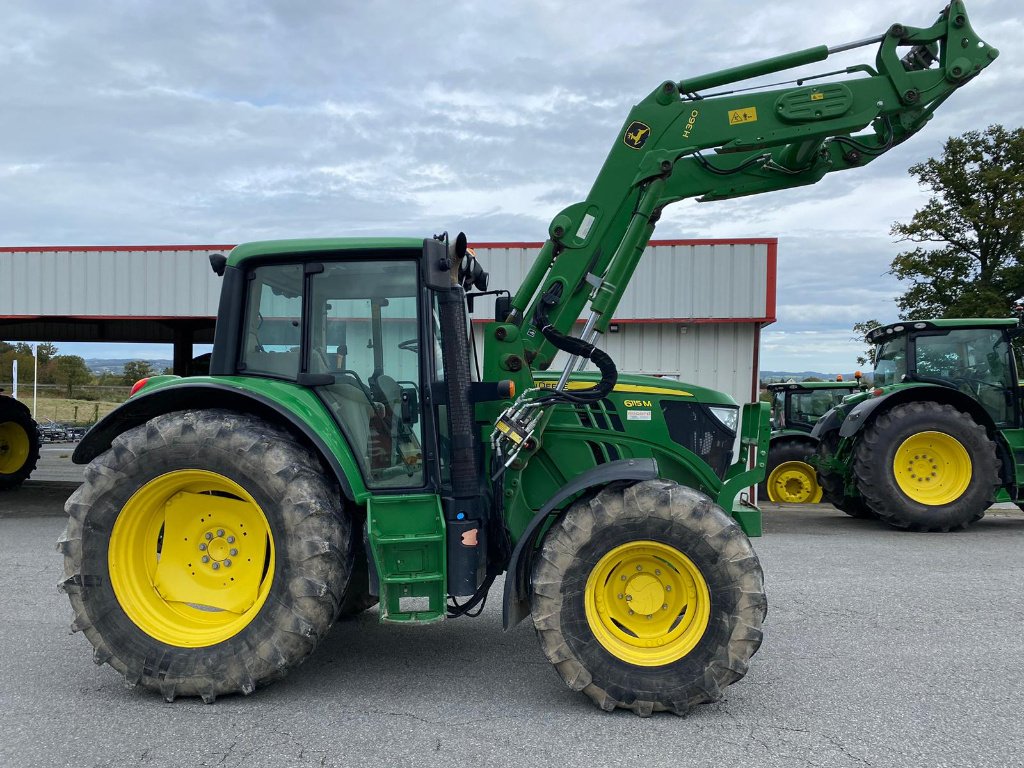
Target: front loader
{"type": "Point", "coordinates": [345, 450]}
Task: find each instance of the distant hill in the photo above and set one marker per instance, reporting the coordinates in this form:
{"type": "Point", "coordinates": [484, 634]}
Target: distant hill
{"type": "Point", "coordinates": [771, 376]}
{"type": "Point", "coordinates": [116, 367]}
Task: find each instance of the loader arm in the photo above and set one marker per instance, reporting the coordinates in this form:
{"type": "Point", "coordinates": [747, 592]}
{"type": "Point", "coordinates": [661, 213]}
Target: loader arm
{"type": "Point", "coordinates": [679, 143]}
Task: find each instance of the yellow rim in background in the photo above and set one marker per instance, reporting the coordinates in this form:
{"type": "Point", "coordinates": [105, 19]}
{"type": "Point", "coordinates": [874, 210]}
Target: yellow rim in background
{"type": "Point", "coordinates": [932, 468]}
{"type": "Point", "coordinates": [647, 603]}
{"type": "Point", "coordinates": [14, 447]}
{"type": "Point", "coordinates": [793, 482]}
{"type": "Point", "coordinates": [191, 558]}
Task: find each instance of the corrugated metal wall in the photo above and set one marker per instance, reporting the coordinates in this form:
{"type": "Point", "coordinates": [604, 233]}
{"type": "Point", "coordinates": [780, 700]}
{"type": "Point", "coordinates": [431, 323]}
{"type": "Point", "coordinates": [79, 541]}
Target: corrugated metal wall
{"type": "Point", "coordinates": [715, 355]}
{"type": "Point", "coordinates": [674, 280]}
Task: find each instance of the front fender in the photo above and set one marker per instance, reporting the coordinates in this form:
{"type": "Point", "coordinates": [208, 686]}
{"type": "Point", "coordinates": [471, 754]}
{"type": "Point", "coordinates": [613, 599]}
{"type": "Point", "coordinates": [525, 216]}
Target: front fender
{"type": "Point", "coordinates": [830, 422]}
{"type": "Point", "coordinates": [516, 605]}
{"type": "Point", "coordinates": [204, 394]}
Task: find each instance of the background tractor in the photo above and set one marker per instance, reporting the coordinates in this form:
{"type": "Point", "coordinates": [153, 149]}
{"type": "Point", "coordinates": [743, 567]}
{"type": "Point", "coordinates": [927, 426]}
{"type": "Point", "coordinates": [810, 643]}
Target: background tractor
{"type": "Point", "coordinates": [796, 407]}
{"type": "Point", "coordinates": [939, 434]}
{"type": "Point", "coordinates": [19, 443]}
{"type": "Point", "coordinates": [346, 448]}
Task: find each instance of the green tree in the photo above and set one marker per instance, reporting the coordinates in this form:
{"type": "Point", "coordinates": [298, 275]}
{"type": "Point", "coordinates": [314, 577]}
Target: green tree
{"type": "Point", "coordinates": [969, 261]}
{"type": "Point", "coordinates": [71, 371]}
{"type": "Point", "coordinates": [135, 370]}
{"type": "Point", "coordinates": [861, 330]}
{"type": "Point", "coordinates": [46, 351]}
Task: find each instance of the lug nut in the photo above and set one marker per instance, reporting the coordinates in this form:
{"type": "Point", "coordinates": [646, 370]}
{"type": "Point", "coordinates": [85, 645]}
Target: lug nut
{"type": "Point", "coordinates": [639, 567]}
{"type": "Point", "coordinates": [657, 572]}
{"type": "Point", "coordinates": [202, 547]}
{"type": "Point", "coordinates": [231, 539]}
{"type": "Point", "coordinates": [206, 558]}
{"type": "Point", "coordinates": [630, 613]}
{"type": "Point", "coordinates": [664, 607]}
{"type": "Point", "coordinates": [209, 536]}
{"type": "Point", "coordinates": [623, 578]}
{"type": "Point", "coordinates": [668, 587]}
{"type": "Point", "coordinates": [629, 598]}
{"type": "Point", "coordinates": [216, 566]}
{"type": "Point", "coordinates": [620, 595]}
{"type": "Point", "coordinates": [227, 563]}
{"type": "Point", "coordinates": [220, 531]}
{"type": "Point", "coordinates": [234, 552]}
{"type": "Point", "coordinates": [650, 616]}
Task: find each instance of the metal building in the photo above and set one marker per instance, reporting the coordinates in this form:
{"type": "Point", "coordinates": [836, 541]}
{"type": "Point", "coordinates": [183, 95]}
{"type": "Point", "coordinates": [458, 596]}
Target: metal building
{"type": "Point", "coordinates": [694, 309]}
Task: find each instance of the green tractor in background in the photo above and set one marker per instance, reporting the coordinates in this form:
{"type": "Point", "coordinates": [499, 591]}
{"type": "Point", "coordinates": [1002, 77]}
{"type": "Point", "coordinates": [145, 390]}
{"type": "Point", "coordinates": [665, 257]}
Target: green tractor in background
{"type": "Point", "coordinates": [19, 443]}
{"type": "Point", "coordinates": [796, 407]}
{"type": "Point", "coordinates": [939, 434]}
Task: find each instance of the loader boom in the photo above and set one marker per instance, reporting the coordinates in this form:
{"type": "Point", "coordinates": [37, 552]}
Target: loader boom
{"type": "Point", "coordinates": [763, 138]}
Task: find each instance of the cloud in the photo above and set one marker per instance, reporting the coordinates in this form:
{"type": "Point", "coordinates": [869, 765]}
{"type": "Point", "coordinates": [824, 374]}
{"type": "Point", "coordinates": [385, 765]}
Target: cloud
{"type": "Point", "coordinates": [197, 122]}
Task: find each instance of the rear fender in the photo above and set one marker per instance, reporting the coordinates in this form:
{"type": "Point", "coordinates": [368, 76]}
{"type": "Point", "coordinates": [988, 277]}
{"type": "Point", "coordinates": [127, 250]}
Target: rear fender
{"type": "Point", "coordinates": [866, 411]}
{"type": "Point", "coordinates": [203, 396]}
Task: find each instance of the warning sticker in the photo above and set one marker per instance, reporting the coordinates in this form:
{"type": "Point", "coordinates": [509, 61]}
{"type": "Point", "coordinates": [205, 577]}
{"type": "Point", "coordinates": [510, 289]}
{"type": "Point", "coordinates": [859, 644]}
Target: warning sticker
{"type": "Point", "coordinates": [745, 115]}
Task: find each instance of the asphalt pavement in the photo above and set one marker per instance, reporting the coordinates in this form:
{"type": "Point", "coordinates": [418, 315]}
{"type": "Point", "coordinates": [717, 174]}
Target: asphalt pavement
{"type": "Point", "coordinates": [881, 649]}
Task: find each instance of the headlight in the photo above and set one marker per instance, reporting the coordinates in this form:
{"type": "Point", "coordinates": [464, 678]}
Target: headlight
{"type": "Point", "coordinates": [729, 415]}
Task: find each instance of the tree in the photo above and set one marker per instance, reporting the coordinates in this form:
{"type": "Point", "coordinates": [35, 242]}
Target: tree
{"type": "Point", "coordinates": [135, 370]}
{"type": "Point", "coordinates": [862, 330]}
{"type": "Point", "coordinates": [71, 371]}
{"type": "Point", "coordinates": [970, 257]}
{"type": "Point", "coordinates": [46, 351]}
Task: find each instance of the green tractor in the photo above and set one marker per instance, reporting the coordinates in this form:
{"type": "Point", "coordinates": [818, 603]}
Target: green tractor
{"type": "Point", "coordinates": [19, 443]}
{"type": "Point", "coordinates": [940, 433]}
{"type": "Point", "coordinates": [345, 449]}
{"type": "Point", "coordinates": [796, 407]}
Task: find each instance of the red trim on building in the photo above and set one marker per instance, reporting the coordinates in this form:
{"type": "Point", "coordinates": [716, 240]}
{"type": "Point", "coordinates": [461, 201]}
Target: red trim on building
{"type": "Point", "coordinates": [773, 269]}
{"type": "Point", "coordinates": [93, 248]}
{"type": "Point", "coordinates": [769, 241]}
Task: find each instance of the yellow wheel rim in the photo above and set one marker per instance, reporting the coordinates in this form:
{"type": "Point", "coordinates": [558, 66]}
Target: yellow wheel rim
{"type": "Point", "coordinates": [932, 468]}
{"type": "Point", "coordinates": [14, 447]}
{"type": "Point", "coordinates": [191, 558]}
{"type": "Point", "coordinates": [647, 603]}
{"type": "Point", "coordinates": [794, 482]}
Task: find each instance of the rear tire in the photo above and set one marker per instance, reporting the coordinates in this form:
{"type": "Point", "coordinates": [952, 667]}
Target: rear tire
{"type": "Point", "coordinates": [19, 444]}
{"type": "Point", "coordinates": [789, 478]}
{"type": "Point", "coordinates": [926, 466]}
{"type": "Point", "coordinates": [163, 575]}
{"type": "Point", "coordinates": [638, 542]}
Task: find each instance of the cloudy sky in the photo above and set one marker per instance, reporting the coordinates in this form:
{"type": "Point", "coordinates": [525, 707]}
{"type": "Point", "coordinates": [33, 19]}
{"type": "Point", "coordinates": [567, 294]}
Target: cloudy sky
{"type": "Point", "coordinates": [219, 122]}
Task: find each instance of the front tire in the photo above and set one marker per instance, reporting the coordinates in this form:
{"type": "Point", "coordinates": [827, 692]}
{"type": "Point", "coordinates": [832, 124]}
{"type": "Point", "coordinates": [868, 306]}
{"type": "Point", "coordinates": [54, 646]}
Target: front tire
{"type": "Point", "coordinates": [205, 554]}
{"type": "Point", "coordinates": [790, 479]}
{"type": "Point", "coordinates": [832, 488]}
{"type": "Point", "coordinates": [926, 466]}
{"type": "Point", "coordinates": [686, 568]}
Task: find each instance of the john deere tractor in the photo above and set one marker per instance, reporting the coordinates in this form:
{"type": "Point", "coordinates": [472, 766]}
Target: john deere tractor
{"type": "Point", "coordinates": [795, 409]}
{"type": "Point", "coordinates": [19, 443]}
{"type": "Point", "coordinates": [939, 434]}
{"type": "Point", "coordinates": [345, 449]}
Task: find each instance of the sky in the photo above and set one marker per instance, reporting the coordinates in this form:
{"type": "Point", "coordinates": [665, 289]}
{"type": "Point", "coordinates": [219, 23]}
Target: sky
{"type": "Point", "coordinates": [196, 122]}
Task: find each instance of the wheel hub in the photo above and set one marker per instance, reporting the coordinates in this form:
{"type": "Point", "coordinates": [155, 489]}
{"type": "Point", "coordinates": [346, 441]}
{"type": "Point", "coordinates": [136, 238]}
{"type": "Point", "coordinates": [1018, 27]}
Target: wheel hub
{"type": "Point", "coordinates": [932, 468]}
{"type": "Point", "coordinates": [645, 593]}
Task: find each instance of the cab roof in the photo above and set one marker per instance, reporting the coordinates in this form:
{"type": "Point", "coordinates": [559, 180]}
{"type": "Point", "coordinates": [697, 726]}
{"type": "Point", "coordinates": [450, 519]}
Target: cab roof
{"type": "Point", "coordinates": [909, 326]}
{"type": "Point", "coordinates": [305, 247]}
{"type": "Point", "coordinates": [794, 385]}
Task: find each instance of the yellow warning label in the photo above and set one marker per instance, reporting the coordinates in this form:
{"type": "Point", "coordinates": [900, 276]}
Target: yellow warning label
{"type": "Point", "coordinates": [745, 115]}
{"type": "Point", "coordinates": [817, 96]}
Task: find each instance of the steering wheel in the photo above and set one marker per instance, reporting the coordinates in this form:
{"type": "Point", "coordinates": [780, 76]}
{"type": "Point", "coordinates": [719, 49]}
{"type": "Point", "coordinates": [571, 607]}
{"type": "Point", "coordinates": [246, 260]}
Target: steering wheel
{"type": "Point", "coordinates": [410, 345]}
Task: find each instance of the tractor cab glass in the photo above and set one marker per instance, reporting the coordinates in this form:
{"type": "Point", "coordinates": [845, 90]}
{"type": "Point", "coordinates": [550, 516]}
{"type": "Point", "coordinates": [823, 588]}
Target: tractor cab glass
{"type": "Point", "coordinates": [364, 330]}
{"type": "Point", "coordinates": [360, 352]}
{"type": "Point", "coordinates": [805, 408]}
{"type": "Point", "coordinates": [891, 361]}
{"type": "Point", "coordinates": [974, 360]}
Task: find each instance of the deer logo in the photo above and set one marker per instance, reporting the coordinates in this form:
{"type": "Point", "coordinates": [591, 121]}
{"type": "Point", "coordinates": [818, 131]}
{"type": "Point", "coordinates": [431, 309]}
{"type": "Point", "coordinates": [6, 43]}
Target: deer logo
{"type": "Point", "coordinates": [636, 135]}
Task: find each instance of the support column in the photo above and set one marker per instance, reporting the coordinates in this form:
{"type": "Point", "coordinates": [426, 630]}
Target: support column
{"type": "Point", "coordinates": [182, 349]}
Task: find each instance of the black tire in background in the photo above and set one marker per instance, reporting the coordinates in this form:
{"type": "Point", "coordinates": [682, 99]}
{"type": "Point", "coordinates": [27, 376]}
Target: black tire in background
{"type": "Point", "coordinates": [19, 443]}
{"type": "Point", "coordinates": [969, 484]}
{"type": "Point", "coordinates": [691, 524]}
{"type": "Point", "coordinates": [832, 489]}
{"type": "Point", "coordinates": [305, 524]}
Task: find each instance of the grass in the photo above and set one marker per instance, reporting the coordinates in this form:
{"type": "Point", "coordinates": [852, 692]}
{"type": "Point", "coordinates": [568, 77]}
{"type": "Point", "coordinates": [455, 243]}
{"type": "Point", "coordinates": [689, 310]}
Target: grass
{"type": "Point", "coordinates": [68, 411]}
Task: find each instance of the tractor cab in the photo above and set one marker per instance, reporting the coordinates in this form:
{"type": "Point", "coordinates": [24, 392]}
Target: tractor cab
{"type": "Point", "coordinates": [796, 406]}
{"type": "Point", "coordinates": [972, 356]}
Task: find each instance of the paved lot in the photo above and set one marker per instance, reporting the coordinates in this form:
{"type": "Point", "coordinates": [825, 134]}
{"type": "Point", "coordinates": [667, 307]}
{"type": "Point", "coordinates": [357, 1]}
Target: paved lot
{"type": "Point", "coordinates": [881, 649]}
